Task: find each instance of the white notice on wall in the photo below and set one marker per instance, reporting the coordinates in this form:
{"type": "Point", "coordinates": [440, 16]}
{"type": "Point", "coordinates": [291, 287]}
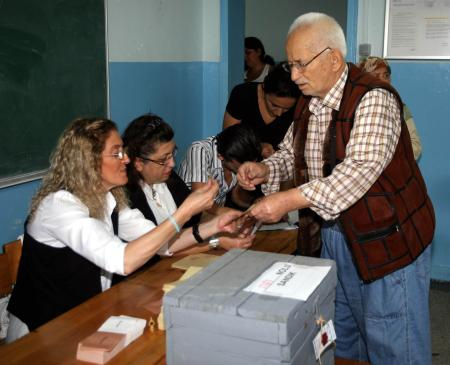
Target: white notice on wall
{"type": "Point", "coordinates": [285, 279]}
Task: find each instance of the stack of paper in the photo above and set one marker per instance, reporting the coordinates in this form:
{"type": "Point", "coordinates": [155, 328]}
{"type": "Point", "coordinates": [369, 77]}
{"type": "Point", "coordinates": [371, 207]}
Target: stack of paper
{"type": "Point", "coordinates": [131, 327]}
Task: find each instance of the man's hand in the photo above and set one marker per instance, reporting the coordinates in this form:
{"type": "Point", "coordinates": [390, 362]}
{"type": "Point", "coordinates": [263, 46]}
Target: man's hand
{"type": "Point", "coordinates": [251, 174]}
{"type": "Point", "coordinates": [273, 207]}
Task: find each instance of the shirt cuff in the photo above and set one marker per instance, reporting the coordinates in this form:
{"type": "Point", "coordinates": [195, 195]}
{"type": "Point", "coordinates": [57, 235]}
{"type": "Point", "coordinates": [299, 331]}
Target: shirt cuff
{"type": "Point", "coordinates": [307, 191]}
{"type": "Point", "coordinates": [273, 184]}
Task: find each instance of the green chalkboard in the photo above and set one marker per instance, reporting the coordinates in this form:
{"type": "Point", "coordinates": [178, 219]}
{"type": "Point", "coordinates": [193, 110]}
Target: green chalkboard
{"type": "Point", "coordinates": [52, 70]}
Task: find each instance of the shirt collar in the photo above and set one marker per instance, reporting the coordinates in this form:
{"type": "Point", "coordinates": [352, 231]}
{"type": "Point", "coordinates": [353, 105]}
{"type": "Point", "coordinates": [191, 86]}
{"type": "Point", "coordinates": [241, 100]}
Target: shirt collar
{"type": "Point", "coordinates": [333, 98]}
{"type": "Point", "coordinates": [110, 203]}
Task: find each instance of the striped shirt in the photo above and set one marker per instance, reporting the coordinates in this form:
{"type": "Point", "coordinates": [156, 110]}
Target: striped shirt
{"type": "Point", "coordinates": [371, 146]}
{"type": "Point", "coordinates": [200, 163]}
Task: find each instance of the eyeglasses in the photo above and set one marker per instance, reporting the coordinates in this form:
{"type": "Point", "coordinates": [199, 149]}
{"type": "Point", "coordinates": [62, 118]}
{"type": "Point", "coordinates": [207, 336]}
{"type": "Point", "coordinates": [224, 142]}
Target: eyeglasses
{"type": "Point", "coordinates": [119, 155]}
{"type": "Point", "coordinates": [164, 161]}
{"type": "Point", "coordinates": [297, 65]}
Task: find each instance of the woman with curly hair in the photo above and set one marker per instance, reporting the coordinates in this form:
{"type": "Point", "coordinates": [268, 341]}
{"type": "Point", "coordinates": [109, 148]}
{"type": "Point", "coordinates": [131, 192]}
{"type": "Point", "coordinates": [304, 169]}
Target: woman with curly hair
{"type": "Point", "coordinates": [79, 220]}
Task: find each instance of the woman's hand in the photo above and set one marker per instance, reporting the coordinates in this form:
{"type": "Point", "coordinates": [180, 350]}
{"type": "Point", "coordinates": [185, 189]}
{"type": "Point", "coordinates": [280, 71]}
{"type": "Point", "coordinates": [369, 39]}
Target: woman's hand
{"type": "Point", "coordinates": [228, 242]}
{"type": "Point", "coordinates": [227, 221]}
{"type": "Point", "coordinates": [201, 199]}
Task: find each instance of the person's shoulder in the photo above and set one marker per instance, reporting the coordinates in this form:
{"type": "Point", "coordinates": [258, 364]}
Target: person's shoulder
{"type": "Point", "coordinates": [407, 114]}
{"type": "Point", "coordinates": [175, 179]}
{"type": "Point", "coordinates": [176, 185]}
{"type": "Point", "coordinates": [135, 193]}
{"type": "Point", "coordinates": [206, 143]}
{"type": "Point", "coordinates": [61, 197]}
{"type": "Point", "coordinates": [245, 87]}
{"type": "Point", "coordinates": [56, 203]}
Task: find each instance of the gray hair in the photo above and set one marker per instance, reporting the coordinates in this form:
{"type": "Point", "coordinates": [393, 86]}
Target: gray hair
{"type": "Point", "coordinates": [329, 32]}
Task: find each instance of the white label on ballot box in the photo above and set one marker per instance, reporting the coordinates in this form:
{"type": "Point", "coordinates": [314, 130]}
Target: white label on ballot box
{"type": "Point", "coordinates": [284, 279]}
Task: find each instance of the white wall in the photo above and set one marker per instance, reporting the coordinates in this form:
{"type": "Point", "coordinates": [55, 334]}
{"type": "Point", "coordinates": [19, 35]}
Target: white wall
{"type": "Point", "coordinates": [161, 31]}
{"type": "Point", "coordinates": [269, 20]}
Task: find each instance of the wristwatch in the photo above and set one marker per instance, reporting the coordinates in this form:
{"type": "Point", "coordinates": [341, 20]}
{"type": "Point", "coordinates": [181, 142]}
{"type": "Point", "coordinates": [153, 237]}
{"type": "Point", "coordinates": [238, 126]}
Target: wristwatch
{"type": "Point", "coordinates": [213, 242]}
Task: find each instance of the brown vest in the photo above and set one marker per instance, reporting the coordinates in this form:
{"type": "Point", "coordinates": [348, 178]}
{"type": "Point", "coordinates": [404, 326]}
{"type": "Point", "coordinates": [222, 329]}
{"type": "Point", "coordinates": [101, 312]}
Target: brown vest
{"type": "Point", "coordinates": [393, 222]}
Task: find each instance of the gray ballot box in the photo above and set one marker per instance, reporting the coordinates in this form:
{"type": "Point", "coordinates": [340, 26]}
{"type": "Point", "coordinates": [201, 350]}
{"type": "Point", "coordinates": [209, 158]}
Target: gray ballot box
{"type": "Point", "coordinates": [210, 319]}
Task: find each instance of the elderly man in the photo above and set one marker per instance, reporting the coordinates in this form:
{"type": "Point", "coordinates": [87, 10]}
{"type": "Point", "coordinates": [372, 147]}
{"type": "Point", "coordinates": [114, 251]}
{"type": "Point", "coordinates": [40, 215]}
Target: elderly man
{"type": "Point", "coordinates": [350, 155]}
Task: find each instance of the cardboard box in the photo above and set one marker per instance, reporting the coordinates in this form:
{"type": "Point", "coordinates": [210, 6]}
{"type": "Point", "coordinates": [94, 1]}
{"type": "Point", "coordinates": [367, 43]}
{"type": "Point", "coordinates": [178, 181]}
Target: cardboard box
{"type": "Point", "coordinates": [210, 319]}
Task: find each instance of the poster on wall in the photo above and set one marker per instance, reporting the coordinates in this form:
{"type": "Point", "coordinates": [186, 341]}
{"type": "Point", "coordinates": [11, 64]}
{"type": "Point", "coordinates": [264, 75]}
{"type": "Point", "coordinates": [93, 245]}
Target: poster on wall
{"type": "Point", "coordinates": [417, 29]}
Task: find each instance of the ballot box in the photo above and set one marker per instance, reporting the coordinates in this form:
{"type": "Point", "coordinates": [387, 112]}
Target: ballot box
{"type": "Point", "coordinates": [213, 318]}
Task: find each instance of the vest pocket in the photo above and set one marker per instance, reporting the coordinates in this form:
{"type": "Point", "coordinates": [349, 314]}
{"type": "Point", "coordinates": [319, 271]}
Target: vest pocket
{"type": "Point", "coordinates": [378, 234]}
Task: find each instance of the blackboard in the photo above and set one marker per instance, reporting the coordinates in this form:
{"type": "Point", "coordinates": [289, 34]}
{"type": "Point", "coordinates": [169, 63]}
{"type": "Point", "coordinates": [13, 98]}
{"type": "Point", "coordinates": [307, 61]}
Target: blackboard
{"type": "Point", "coordinates": [52, 70]}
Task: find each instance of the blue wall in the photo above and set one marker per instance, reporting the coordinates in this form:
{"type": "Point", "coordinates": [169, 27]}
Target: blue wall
{"type": "Point", "coordinates": [425, 88]}
{"type": "Point", "coordinates": [14, 202]}
{"type": "Point", "coordinates": [173, 90]}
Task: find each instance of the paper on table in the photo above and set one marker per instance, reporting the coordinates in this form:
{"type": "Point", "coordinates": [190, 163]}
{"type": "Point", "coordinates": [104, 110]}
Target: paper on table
{"type": "Point", "coordinates": [285, 279]}
{"type": "Point", "coordinates": [131, 327]}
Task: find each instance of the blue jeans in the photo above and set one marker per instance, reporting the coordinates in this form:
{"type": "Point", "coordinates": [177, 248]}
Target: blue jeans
{"type": "Point", "coordinates": [384, 322]}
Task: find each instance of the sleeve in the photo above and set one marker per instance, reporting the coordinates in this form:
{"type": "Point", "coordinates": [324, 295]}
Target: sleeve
{"type": "Point", "coordinates": [281, 164]}
{"type": "Point", "coordinates": [196, 164]}
{"type": "Point", "coordinates": [67, 220]}
{"type": "Point", "coordinates": [132, 224]}
{"type": "Point", "coordinates": [371, 147]}
{"type": "Point", "coordinates": [415, 139]}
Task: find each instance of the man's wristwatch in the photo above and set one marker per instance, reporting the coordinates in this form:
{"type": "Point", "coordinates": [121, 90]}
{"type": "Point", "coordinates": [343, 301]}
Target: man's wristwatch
{"type": "Point", "coordinates": [213, 242]}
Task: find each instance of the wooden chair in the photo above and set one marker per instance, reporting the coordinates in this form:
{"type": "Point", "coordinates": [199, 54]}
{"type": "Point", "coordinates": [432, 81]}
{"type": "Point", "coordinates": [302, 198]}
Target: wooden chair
{"type": "Point", "coordinates": [9, 265]}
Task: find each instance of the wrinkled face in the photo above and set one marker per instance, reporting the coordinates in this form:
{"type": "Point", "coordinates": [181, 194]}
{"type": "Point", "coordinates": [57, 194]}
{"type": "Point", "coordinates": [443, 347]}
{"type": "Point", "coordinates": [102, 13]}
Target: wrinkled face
{"type": "Point", "coordinates": [159, 169]}
{"type": "Point", "coordinates": [382, 73]}
{"type": "Point", "coordinates": [317, 77]}
{"type": "Point", "coordinates": [278, 105]}
{"type": "Point", "coordinates": [252, 57]}
{"type": "Point", "coordinates": [113, 168]}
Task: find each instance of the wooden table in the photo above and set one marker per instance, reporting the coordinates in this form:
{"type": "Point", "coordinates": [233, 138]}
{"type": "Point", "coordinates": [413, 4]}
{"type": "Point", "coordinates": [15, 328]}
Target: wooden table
{"type": "Point", "coordinates": [139, 296]}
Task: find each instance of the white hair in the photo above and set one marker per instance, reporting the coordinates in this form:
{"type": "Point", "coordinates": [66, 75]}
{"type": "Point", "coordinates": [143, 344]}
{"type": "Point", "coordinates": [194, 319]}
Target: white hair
{"type": "Point", "coordinates": [329, 32]}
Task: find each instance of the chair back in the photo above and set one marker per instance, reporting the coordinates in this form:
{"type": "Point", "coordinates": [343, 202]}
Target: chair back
{"type": "Point", "coordinates": [9, 265]}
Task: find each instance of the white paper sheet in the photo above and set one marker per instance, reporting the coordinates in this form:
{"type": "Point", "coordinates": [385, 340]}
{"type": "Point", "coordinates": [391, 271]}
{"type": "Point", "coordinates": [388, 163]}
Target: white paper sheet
{"type": "Point", "coordinates": [285, 279]}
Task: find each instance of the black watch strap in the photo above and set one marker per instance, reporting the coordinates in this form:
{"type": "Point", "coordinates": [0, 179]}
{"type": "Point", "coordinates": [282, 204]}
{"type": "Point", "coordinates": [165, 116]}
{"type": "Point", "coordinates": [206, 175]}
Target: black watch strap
{"type": "Point", "coordinates": [196, 234]}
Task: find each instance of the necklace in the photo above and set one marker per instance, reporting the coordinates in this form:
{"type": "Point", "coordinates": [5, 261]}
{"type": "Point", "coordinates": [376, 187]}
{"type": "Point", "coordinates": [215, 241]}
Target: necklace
{"type": "Point", "coordinates": [155, 196]}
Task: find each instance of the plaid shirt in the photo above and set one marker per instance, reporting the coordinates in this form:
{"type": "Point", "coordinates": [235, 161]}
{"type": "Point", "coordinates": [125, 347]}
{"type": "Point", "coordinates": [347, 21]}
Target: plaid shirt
{"type": "Point", "coordinates": [372, 144]}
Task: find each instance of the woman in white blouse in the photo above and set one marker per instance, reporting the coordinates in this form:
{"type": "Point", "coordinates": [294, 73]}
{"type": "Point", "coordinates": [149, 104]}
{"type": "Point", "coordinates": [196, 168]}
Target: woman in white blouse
{"type": "Point", "coordinates": [78, 222]}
